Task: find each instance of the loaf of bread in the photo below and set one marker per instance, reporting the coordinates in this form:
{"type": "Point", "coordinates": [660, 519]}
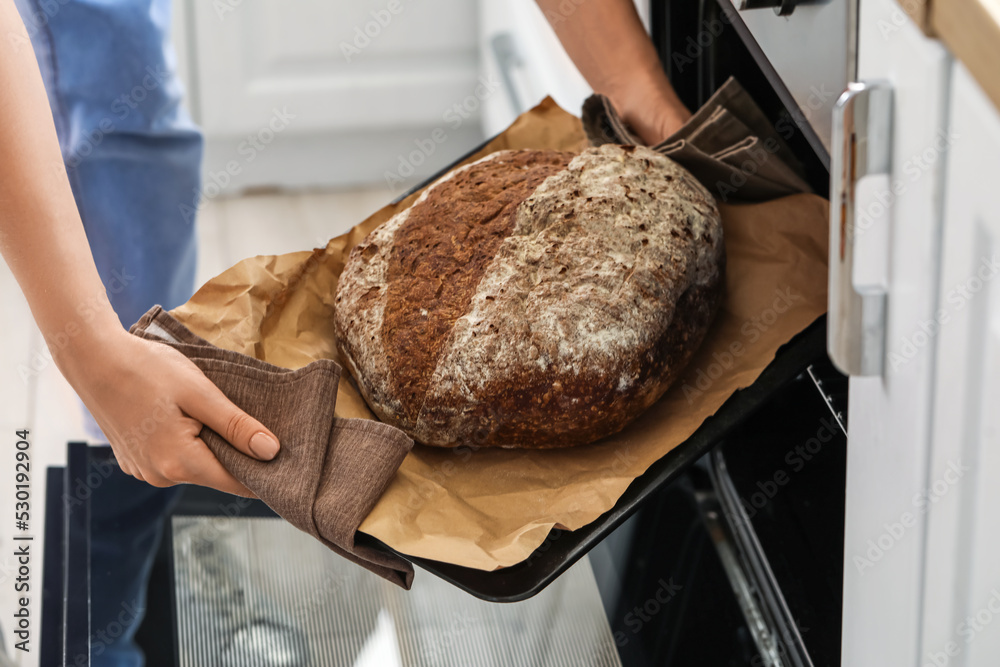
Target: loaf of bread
{"type": "Point", "coordinates": [533, 298]}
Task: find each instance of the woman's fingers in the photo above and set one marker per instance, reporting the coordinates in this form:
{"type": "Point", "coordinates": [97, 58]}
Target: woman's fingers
{"type": "Point", "coordinates": [136, 383]}
{"type": "Point", "coordinates": [202, 468]}
{"type": "Point", "coordinates": [197, 465]}
{"type": "Point", "coordinates": [206, 403]}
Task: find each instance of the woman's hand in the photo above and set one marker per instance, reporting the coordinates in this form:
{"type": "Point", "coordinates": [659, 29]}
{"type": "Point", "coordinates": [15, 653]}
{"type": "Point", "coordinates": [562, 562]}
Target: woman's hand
{"type": "Point", "coordinates": [649, 106]}
{"type": "Point", "coordinates": [151, 402]}
{"type": "Point", "coordinates": [610, 47]}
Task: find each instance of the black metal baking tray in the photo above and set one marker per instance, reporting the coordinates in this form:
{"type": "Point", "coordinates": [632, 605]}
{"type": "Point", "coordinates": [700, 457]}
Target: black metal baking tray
{"type": "Point", "coordinates": [563, 548]}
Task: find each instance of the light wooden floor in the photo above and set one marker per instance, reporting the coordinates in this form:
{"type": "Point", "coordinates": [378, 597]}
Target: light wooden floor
{"type": "Point", "coordinates": [272, 224]}
{"type": "Point", "coordinates": [34, 396]}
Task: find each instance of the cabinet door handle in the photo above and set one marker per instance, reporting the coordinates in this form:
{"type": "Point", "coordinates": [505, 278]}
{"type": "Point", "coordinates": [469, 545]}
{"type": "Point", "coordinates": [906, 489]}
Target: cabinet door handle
{"type": "Point", "coordinates": [862, 145]}
{"type": "Point", "coordinates": [508, 59]}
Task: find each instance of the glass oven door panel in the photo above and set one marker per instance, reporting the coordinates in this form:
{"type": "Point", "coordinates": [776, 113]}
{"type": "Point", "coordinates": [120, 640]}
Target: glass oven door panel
{"type": "Point", "coordinates": [812, 49]}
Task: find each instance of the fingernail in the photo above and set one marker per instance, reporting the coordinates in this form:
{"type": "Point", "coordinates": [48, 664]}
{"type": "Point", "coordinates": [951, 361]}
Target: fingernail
{"type": "Point", "coordinates": [263, 446]}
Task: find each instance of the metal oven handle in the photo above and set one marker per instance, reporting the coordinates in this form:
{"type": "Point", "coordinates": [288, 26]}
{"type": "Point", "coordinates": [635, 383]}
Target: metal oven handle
{"type": "Point", "coordinates": [862, 145]}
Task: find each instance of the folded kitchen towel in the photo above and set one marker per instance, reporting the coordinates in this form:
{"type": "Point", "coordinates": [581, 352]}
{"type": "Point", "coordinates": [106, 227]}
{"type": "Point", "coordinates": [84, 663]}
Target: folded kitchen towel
{"type": "Point", "coordinates": [728, 144]}
{"type": "Point", "coordinates": [329, 472]}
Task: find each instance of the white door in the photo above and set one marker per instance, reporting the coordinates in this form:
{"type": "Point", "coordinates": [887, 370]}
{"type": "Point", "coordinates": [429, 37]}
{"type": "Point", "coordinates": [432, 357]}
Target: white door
{"type": "Point", "coordinates": [309, 92]}
{"type": "Point", "coordinates": [962, 596]}
{"type": "Point", "coordinates": [897, 247]}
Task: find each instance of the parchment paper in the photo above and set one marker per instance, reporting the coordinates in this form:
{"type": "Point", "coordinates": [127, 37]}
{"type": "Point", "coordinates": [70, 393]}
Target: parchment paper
{"type": "Point", "coordinates": [491, 508]}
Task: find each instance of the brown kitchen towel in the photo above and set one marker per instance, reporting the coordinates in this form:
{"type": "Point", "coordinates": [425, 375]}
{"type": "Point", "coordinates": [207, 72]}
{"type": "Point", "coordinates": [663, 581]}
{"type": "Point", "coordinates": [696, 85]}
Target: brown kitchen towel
{"type": "Point", "coordinates": [728, 144]}
{"type": "Point", "coordinates": [330, 471]}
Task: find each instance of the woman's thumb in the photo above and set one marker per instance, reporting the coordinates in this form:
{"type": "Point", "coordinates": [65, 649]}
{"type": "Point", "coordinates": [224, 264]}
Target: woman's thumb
{"type": "Point", "coordinates": [241, 430]}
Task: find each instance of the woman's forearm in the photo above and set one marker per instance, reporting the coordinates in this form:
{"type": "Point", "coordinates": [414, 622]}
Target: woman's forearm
{"type": "Point", "coordinates": [610, 47]}
{"type": "Point", "coordinates": [122, 379]}
{"type": "Point", "coordinates": [41, 235]}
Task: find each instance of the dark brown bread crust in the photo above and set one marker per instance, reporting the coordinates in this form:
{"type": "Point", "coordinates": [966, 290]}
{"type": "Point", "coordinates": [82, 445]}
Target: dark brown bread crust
{"type": "Point", "coordinates": [507, 309]}
{"type": "Point", "coordinates": [439, 256]}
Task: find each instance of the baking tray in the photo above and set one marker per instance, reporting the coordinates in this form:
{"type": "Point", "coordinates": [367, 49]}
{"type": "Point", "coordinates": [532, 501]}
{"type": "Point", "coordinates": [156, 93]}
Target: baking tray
{"type": "Point", "coordinates": [562, 548]}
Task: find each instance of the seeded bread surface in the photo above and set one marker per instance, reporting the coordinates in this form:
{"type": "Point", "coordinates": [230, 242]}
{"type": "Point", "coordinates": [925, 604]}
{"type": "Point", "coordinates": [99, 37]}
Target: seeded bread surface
{"type": "Point", "coordinates": [533, 299]}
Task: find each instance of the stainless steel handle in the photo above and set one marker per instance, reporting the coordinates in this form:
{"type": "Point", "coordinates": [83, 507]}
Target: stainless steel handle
{"type": "Point", "coordinates": [862, 145]}
{"type": "Point", "coordinates": [781, 7]}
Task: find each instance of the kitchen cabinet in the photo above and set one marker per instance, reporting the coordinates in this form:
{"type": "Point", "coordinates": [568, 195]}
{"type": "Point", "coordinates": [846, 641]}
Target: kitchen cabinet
{"type": "Point", "coordinates": [922, 549]}
{"type": "Point", "coordinates": [897, 250]}
{"type": "Point", "coordinates": [311, 93]}
{"type": "Point", "coordinates": [961, 600]}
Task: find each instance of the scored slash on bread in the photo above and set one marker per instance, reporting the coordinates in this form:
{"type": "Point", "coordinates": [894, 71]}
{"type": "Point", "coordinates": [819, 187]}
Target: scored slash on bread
{"type": "Point", "coordinates": [533, 299]}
